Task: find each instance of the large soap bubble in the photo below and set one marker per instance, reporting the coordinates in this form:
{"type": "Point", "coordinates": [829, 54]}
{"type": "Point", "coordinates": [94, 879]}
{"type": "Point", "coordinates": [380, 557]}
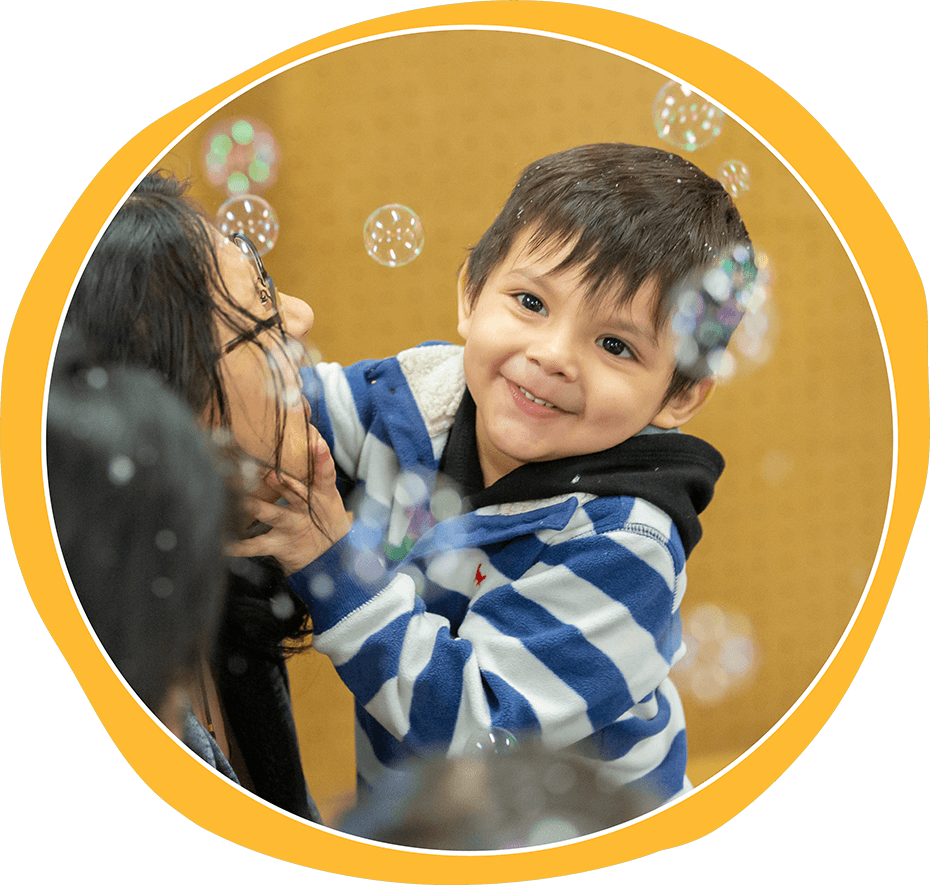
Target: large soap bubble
{"type": "Point", "coordinates": [685, 119]}
{"type": "Point", "coordinates": [241, 156]}
{"type": "Point", "coordinates": [250, 215]}
{"type": "Point", "coordinates": [493, 742]}
{"type": "Point", "coordinates": [393, 235]}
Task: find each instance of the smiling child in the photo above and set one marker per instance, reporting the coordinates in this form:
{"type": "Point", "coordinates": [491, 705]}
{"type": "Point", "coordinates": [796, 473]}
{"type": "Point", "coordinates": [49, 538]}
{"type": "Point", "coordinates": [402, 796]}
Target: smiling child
{"type": "Point", "coordinates": [544, 599]}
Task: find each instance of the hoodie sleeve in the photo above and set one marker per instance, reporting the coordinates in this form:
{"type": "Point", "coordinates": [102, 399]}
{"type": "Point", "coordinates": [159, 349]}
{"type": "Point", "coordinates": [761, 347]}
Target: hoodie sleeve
{"type": "Point", "coordinates": [567, 632]}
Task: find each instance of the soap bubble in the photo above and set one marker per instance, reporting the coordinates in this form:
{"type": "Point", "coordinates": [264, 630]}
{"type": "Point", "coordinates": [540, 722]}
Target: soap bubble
{"type": "Point", "coordinates": [685, 119]}
{"type": "Point", "coordinates": [121, 469]}
{"type": "Point", "coordinates": [250, 215]}
{"type": "Point", "coordinates": [709, 309]}
{"type": "Point", "coordinates": [241, 156]}
{"type": "Point", "coordinates": [393, 235]}
{"type": "Point", "coordinates": [734, 176]}
{"type": "Point", "coordinates": [493, 742]}
{"type": "Point", "coordinates": [722, 654]}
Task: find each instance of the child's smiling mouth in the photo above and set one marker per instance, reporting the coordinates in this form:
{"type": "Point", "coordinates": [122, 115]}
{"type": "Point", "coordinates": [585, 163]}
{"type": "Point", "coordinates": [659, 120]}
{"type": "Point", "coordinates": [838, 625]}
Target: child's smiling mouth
{"type": "Point", "coordinates": [530, 396]}
{"type": "Point", "coordinates": [533, 405]}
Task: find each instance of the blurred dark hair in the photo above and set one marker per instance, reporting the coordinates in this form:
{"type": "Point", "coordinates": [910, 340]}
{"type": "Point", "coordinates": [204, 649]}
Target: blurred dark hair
{"type": "Point", "coordinates": [149, 297]}
{"type": "Point", "coordinates": [632, 214]}
{"type": "Point", "coordinates": [529, 795]}
{"type": "Point", "coordinates": [142, 512]}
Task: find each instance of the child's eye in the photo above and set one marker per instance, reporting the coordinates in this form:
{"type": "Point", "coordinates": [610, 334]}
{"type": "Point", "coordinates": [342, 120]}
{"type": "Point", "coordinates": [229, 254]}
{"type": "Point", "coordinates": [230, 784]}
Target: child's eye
{"type": "Point", "coordinates": [614, 346]}
{"type": "Point", "coordinates": [531, 302]}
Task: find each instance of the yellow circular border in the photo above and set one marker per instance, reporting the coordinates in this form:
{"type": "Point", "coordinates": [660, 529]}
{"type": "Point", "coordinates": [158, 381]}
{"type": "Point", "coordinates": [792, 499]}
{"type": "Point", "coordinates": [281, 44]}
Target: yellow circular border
{"type": "Point", "coordinates": [216, 805]}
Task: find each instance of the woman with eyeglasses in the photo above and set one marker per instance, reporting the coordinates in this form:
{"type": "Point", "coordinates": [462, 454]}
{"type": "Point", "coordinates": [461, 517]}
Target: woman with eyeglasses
{"type": "Point", "coordinates": [163, 290]}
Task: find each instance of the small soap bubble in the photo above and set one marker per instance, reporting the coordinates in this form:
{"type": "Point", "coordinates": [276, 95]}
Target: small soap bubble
{"type": "Point", "coordinates": [445, 503]}
{"type": "Point", "coordinates": [250, 215]}
{"type": "Point", "coordinates": [322, 586]}
{"type": "Point", "coordinates": [685, 119]}
{"type": "Point", "coordinates": [282, 606]}
{"type": "Point", "coordinates": [734, 176]}
{"type": "Point", "coordinates": [493, 742]}
{"type": "Point", "coordinates": [97, 378]}
{"type": "Point", "coordinates": [723, 653]}
{"type": "Point", "coordinates": [237, 665]}
{"type": "Point", "coordinates": [121, 470]}
{"type": "Point", "coordinates": [393, 235]}
{"type": "Point", "coordinates": [550, 830]}
{"type": "Point", "coordinates": [241, 156]}
{"type": "Point", "coordinates": [411, 490]}
{"type": "Point", "coordinates": [166, 540]}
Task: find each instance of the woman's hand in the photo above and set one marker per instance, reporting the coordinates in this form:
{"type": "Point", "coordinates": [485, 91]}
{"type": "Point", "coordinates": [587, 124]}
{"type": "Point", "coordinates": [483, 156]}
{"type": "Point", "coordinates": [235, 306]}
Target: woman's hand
{"type": "Point", "coordinates": [295, 538]}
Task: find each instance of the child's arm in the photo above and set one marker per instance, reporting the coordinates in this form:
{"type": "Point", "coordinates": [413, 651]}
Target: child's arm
{"type": "Point", "coordinates": [562, 651]}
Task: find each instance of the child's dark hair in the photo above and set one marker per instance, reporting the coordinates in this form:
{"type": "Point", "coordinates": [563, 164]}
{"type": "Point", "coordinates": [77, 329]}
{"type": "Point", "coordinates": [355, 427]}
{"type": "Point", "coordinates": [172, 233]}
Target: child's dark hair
{"type": "Point", "coordinates": [631, 214]}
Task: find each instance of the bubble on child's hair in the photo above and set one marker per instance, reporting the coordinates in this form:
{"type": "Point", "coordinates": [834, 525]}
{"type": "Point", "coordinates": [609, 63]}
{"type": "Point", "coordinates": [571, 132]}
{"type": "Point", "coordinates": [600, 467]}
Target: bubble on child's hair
{"type": "Point", "coordinates": [706, 313]}
{"type": "Point", "coordinates": [121, 470]}
{"type": "Point", "coordinates": [241, 156]}
{"type": "Point", "coordinates": [722, 653]}
{"type": "Point", "coordinates": [250, 215]}
{"type": "Point", "coordinates": [493, 742]}
{"type": "Point", "coordinates": [734, 176]}
{"type": "Point", "coordinates": [393, 235]}
{"type": "Point", "coordinates": [685, 119]}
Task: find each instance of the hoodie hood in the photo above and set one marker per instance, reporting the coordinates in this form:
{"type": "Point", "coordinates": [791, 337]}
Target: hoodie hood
{"type": "Point", "coordinates": [673, 471]}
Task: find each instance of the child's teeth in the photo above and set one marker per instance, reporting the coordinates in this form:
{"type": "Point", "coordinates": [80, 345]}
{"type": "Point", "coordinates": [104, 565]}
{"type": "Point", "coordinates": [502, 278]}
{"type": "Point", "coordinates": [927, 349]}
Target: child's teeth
{"type": "Point", "coordinates": [541, 402]}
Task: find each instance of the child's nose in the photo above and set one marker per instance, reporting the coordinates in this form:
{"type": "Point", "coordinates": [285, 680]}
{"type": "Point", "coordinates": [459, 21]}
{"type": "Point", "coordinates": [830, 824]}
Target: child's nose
{"type": "Point", "coordinates": [555, 354]}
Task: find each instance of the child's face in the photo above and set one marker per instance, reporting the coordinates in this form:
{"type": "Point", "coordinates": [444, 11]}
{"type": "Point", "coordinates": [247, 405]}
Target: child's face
{"type": "Point", "coordinates": [552, 377]}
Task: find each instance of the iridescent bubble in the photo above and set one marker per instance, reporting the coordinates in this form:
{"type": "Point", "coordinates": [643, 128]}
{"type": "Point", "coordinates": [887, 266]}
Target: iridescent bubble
{"type": "Point", "coordinates": [723, 653]}
{"type": "Point", "coordinates": [445, 503]}
{"type": "Point", "coordinates": [685, 119]}
{"type": "Point", "coordinates": [97, 378]}
{"type": "Point", "coordinates": [393, 235]}
{"type": "Point", "coordinates": [241, 156]}
{"type": "Point", "coordinates": [166, 540]}
{"type": "Point", "coordinates": [493, 742]}
{"type": "Point", "coordinates": [734, 176]}
{"type": "Point", "coordinates": [250, 215]}
{"type": "Point", "coordinates": [282, 606]}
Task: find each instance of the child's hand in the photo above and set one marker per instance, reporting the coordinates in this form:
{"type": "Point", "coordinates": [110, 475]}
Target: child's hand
{"type": "Point", "coordinates": [294, 538]}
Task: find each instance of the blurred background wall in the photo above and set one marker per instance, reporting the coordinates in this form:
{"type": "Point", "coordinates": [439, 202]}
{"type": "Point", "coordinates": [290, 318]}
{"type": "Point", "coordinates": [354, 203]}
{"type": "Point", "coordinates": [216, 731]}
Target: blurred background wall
{"type": "Point", "coordinates": [444, 123]}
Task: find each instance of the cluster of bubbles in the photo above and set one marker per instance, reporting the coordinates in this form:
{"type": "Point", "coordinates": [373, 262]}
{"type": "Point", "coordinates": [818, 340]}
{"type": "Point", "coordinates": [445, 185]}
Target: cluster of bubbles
{"type": "Point", "coordinates": [729, 303]}
{"type": "Point", "coordinates": [732, 300]}
{"type": "Point", "coordinates": [722, 653]}
{"type": "Point", "coordinates": [393, 235]}
{"type": "Point", "coordinates": [241, 156]}
{"type": "Point", "coordinates": [241, 159]}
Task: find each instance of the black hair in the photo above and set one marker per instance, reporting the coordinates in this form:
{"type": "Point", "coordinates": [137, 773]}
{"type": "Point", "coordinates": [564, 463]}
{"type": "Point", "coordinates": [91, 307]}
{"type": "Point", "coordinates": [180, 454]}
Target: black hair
{"type": "Point", "coordinates": [142, 512]}
{"type": "Point", "coordinates": [631, 214]}
{"type": "Point", "coordinates": [150, 297]}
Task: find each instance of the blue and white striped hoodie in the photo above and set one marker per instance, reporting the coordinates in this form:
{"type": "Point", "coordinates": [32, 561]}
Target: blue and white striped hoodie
{"type": "Point", "coordinates": [550, 608]}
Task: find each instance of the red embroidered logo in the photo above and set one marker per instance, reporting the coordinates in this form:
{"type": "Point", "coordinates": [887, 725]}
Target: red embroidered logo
{"type": "Point", "coordinates": [478, 576]}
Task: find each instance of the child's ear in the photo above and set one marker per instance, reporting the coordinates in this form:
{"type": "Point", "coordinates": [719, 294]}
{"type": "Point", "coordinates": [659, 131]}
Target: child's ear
{"type": "Point", "coordinates": [465, 309]}
{"type": "Point", "coordinates": [685, 405]}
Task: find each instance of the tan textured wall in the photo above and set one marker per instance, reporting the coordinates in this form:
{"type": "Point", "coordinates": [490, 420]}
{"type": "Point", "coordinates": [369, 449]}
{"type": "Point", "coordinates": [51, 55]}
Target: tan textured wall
{"type": "Point", "coordinates": [444, 123]}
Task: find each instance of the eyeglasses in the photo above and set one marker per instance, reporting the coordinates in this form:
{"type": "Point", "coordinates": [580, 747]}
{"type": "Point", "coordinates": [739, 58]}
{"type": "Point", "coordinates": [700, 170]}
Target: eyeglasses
{"type": "Point", "coordinates": [274, 321]}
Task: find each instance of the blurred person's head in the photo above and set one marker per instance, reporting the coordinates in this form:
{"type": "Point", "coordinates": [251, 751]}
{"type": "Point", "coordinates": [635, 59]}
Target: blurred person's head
{"type": "Point", "coordinates": [524, 797]}
{"type": "Point", "coordinates": [164, 290]}
{"type": "Point", "coordinates": [142, 510]}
